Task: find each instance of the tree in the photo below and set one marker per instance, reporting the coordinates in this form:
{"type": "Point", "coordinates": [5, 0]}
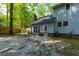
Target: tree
{"type": "Point", "coordinates": [24, 14]}
{"type": "Point", "coordinates": [7, 7]}
{"type": "Point", "coordinates": [35, 17]}
{"type": "Point", "coordinates": [11, 19]}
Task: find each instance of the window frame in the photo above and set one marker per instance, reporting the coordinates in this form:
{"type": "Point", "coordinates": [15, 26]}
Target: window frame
{"type": "Point", "coordinates": [38, 29]}
{"type": "Point", "coordinates": [69, 6]}
{"type": "Point", "coordinates": [66, 25]}
{"type": "Point", "coordinates": [58, 24]}
{"type": "Point", "coordinates": [46, 29]}
{"type": "Point", "coordinates": [34, 29]}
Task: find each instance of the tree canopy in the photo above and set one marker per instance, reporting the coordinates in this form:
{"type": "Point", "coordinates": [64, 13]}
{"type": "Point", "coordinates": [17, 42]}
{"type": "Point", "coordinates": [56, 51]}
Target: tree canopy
{"type": "Point", "coordinates": [24, 13]}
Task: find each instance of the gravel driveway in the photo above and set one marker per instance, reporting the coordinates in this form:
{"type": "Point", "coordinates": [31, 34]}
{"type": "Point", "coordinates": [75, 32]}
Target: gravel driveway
{"type": "Point", "coordinates": [27, 46]}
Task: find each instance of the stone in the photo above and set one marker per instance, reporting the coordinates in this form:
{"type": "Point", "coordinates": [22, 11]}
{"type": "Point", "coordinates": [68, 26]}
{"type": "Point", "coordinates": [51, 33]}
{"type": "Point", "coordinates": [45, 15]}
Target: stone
{"type": "Point", "coordinates": [5, 49]}
{"type": "Point", "coordinates": [17, 46]}
{"type": "Point", "coordinates": [30, 46]}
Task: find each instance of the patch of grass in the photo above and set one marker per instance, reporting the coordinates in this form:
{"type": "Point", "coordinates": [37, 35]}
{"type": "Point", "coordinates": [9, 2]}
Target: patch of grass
{"type": "Point", "coordinates": [72, 41]}
{"type": "Point", "coordinates": [73, 50]}
{"type": "Point", "coordinates": [70, 52]}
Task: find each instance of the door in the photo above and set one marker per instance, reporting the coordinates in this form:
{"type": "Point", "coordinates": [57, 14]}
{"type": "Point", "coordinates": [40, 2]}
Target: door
{"type": "Point", "coordinates": [45, 29]}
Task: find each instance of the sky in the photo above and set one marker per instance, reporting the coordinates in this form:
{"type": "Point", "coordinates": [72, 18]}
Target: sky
{"type": "Point", "coordinates": [3, 9]}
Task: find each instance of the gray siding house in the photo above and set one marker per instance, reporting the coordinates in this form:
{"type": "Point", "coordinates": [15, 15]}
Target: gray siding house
{"type": "Point", "coordinates": [44, 25]}
{"type": "Point", "coordinates": [64, 20]}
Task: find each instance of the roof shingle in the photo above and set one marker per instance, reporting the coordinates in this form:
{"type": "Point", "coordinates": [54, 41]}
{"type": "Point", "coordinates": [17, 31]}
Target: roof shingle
{"type": "Point", "coordinates": [44, 20]}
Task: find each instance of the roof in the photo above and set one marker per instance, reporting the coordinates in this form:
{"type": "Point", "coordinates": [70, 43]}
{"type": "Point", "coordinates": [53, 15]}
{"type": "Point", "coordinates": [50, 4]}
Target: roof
{"type": "Point", "coordinates": [58, 5]}
{"type": "Point", "coordinates": [44, 20]}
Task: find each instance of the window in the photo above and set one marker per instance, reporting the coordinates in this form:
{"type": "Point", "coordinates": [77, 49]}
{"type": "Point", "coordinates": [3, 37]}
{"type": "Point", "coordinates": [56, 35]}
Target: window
{"type": "Point", "coordinates": [59, 24]}
{"type": "Point", "coordinates": [65, 23]}
{"type": "Point", "coordinates": [38, 29]}
{"type": "Point", "coordinates": [34, 29]}
{"type": "Point", "coordinates": [67, 6]}
{"type": "Point", "coordinates": [45, 28]}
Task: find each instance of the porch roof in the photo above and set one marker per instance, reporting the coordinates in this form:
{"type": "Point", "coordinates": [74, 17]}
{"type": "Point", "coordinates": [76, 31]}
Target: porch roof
{"type": "Point", "coordinates": [58, 5]}
{"type": "Point", "coordinates": [44, 20]}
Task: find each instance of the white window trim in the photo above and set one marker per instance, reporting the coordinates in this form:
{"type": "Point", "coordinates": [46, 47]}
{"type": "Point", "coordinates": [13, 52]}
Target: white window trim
{"type": "Point", "coordinates": [66, 26]}
{"type": "Point", "coordinates": [44, 28]}
{"type": "Point", "coordinates": [61, 23]}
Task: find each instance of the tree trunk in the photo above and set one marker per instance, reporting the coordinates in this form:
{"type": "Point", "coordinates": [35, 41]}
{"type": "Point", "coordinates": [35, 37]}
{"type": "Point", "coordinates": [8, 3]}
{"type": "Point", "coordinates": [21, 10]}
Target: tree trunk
{"type": "Point", "coordinates": [11, 19]}
{"type": "Point", "coordinates": [35, 17]}
{"type": "Point", "coordinates": [7, 16]}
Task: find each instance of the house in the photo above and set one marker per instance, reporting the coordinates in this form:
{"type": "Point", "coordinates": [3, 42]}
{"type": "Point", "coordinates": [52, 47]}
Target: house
{"type": "Point", "coordinates": [64, 20]}
{"type": "Point", "coordinates": [44, 25]}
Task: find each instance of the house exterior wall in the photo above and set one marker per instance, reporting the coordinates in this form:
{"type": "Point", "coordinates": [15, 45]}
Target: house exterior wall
{"type": "Point", "coordinates": [50, 28]}
{"type": "Point", "coordinates": [72, 16]}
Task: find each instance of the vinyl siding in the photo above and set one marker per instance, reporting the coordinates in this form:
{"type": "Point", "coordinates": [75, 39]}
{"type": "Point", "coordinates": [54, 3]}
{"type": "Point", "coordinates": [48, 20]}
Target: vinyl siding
{"type": "Point", "coordinates": [72, 16]}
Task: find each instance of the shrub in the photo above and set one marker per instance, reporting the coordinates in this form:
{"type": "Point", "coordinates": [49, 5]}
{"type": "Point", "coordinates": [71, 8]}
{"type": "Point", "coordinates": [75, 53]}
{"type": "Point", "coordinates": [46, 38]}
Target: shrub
{"type": "Point", "coordinates": [5, 30]}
